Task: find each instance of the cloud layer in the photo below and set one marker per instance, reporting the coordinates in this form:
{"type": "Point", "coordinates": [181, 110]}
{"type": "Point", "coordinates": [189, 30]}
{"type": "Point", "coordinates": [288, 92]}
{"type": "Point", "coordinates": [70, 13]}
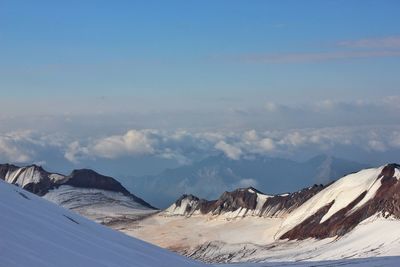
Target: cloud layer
{"type": "Point", "coordinates": [183, 146]}
{"type": "Point", "coordinates": [356, 129]}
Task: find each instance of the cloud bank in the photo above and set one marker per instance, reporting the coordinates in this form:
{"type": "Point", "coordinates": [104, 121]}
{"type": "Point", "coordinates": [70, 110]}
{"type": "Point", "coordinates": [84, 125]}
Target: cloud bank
{"type": "Point", "coordinates": [356, 129]}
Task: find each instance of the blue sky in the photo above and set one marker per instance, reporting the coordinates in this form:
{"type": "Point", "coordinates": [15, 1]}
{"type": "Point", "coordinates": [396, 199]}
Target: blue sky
{"type": "Point", "coordinates": [190, 49]}
{"type": "Point", "coordinates": [88, 71]}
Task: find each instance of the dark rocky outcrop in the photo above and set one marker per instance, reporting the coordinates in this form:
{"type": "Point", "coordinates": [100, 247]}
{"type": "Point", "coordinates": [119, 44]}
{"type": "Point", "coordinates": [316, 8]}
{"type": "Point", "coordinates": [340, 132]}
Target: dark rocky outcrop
{"type": "Point", "coordinates": [232, 201]}
{"type": "Point", "coordinates": [247, 199]}
{"type": "Point", "coordinates": [275, 205]}
{"type": "Point", "coordinates": [86, 178]}
{"type": "Point", "coordinates": [5, 168]}
{"type": "Point", "coordinates": [40, 187]}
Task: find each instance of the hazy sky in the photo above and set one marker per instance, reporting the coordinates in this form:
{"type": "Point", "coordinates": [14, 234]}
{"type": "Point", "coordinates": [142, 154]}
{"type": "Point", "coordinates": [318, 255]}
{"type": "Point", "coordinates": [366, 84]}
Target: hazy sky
{"type": "Point", "coordinates": [84, 71]}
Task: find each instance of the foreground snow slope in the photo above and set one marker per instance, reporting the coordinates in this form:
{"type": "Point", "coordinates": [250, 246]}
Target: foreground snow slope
{"type": "Point", "coordinates": [37, 233]}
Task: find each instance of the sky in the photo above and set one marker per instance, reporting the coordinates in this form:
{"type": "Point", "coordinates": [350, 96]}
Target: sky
{"type": "Point", "coordinates": [88, 83]}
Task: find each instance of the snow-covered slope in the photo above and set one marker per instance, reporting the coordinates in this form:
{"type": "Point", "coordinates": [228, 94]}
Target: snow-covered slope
{"type": "Point", "coordinates": [340, 207]}
{"type": "Point", "coordinates": [38, 233]}
{"type": "Point", "coordinates": [93, 195]}
{"type": "Point", "coordinates": [374, 237]}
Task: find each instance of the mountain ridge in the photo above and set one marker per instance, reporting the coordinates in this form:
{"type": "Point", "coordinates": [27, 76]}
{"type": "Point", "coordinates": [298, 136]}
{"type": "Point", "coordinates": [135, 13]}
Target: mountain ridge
{"type": "Point", "coordinates": [247, 225]}
{"type": "Point", "coordinates": [98, 197]}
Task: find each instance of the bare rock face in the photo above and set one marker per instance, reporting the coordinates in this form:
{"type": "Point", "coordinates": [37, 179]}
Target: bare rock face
{"type": "Point", "coordinates": [244, 199]}
{"type": "Point", "coordinates": [6, 168]}
{"type": "Point", "coordinates": [86, 178]}
{"type": "Point", "coordinates": [278, 204]}
{"type": "Point", "coordinates": [385, 201]}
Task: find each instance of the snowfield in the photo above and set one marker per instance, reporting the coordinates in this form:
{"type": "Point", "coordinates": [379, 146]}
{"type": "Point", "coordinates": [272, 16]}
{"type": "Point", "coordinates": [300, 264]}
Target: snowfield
{"type": "Point", "coordinates": [375, 237]}
{"type": "Point", "coordinates": [251, 239]}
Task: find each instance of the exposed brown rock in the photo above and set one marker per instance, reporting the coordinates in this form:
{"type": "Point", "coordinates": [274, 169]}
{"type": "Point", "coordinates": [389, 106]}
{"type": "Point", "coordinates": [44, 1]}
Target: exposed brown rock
{"type": "Point", "coordinates": [386, 201]}
{"type": "Point", "coordinates": [246, 199]}
{"type": "Point", "coordinates": [287, 203]}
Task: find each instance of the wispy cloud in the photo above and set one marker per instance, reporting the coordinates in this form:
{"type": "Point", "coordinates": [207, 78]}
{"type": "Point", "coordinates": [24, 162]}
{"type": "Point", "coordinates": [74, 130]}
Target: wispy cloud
{"type": "Point", "coordinates": [312, 57]}
{"type": "Point", "coordinates": [343, 50]}
{"type": "Point", "coordinates": [383, 42]}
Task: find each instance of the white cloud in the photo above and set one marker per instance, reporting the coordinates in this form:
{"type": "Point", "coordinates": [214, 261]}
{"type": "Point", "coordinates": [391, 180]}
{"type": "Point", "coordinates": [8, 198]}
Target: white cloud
{"type": "Point", "coordinates": [294, 139]}
{"type": "Point", "coordinates": [134, 142]}
{"type": "Point", "coordinates": [267, 144]}
{"type": "Point", "coordinates": [22, 146]}
{"type": "Point", "coordinates": [185, 146]}
{"type": "Point", "coordinates": [395, 139]}
{"type": "Point", "coordinates": [11, 152]}
{"type": "Point", "coordinates": [230, 151]}
{"type": "Point", "coordinates": [75, 152]}
{"type": "Point", "coordinates": [376, 145]}
{"type": "Point", "coordinates": [271, 107]}
{"type": "Point", "coordinates": [250, 136]}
